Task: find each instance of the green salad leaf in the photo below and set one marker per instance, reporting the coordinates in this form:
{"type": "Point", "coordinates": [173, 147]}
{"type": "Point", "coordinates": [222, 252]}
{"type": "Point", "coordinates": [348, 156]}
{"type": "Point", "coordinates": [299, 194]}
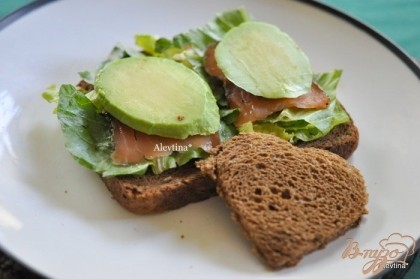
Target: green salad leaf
{"type": "Point", "coordinates": [88, 137]}
{"type": "Point", "coordinates": [51, 94]}
{"type": "Point", "coordinates": [189, 48]}
{"type": "Point", "coordinates": [265, 128]}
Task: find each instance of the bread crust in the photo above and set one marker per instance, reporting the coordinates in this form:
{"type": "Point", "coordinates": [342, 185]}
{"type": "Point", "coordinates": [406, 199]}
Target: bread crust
{"type": "Point", "coordinates": [170, 190]}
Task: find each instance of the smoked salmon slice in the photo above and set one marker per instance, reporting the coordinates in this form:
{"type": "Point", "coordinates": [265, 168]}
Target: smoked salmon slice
{"type": "Point", "coordinates": [131, 146]}
{"type": "Point", "coordinates": [210, 64]}
{"type": "Point", "coordinates": [253, 108]}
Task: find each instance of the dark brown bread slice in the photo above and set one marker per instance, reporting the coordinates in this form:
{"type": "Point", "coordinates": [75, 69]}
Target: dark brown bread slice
{"type": "Point", "coordinates": [157, 193]}
{"type": "Point", "coordinates": [176, 188]}
{"type": "Point", "coordinates": [288, 201]}
{"type": "Point", "coordinates": [342, 140]}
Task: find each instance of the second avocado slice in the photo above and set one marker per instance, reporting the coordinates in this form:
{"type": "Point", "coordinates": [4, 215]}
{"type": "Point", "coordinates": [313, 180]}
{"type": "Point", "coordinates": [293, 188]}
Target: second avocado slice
{"type": "Point", "coordinates": [158, 96]}
{"type": "Point", "coordinates": [264, 61]}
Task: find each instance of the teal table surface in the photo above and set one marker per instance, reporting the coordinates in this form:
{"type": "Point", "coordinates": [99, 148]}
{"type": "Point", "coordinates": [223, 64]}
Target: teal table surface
{"type": "Point", "coordinates": [398, 20]}
{"type": "Point", "coordinates": [9, 6]}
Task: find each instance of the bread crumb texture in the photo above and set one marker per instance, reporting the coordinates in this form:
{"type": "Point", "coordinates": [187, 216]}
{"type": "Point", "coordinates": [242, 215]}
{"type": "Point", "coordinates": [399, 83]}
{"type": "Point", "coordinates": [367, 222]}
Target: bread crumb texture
{"type": "Point", "coordinates": [288, 200]}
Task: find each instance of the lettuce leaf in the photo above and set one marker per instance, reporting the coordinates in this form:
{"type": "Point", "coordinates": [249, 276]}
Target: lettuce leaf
{"type": "Point", "coordinates": [189, 48]}
{"type": "Point", "coordinates": [51, 94]}
{"type": "Point", "coordinates": [88, 137]}
{"type": "Point", "coordinates": [317, 123]}
{"type": "Point", "coordinates": [265, 128]}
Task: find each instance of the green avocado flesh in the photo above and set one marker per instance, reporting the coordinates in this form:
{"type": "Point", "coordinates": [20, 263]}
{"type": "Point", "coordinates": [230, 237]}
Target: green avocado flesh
{"type": "Point", "coordinates": [264, 61]}
{"type": "Point", "coordinates": [158, 96]}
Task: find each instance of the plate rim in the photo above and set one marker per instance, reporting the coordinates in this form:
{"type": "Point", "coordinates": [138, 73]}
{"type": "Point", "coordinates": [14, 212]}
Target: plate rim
{"type": "Point", "coordinates": [22, 11]}
{"type": "Point", "coordinates": [408, 60]}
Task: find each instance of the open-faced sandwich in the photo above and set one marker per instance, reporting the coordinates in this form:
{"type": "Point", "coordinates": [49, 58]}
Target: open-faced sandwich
{"type": "Point", "coordinates": [234, 109]}
{"type": "Point", "coordinates": [147, 114]}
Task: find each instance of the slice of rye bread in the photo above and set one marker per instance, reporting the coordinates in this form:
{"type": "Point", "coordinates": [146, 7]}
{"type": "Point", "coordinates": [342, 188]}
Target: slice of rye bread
{"type": "Point", "coordinates": [169, 190]}
{"type": "Point", "coordinates": [178, 187]}
{"type": "Point", "coordinates": [288, 201]}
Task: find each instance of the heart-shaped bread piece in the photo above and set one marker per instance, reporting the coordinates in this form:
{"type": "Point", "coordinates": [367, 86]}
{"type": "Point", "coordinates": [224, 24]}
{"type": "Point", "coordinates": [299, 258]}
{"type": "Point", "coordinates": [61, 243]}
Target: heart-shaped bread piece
{"type": "Point", "coordinates": [289, 201]}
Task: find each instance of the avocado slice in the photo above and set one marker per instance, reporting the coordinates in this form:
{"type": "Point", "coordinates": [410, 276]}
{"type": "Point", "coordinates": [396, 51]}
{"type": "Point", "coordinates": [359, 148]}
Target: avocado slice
{"type": "Point", "coordinates": [158, 96]}
{"type": "Point", "coordinates": [264, 61]}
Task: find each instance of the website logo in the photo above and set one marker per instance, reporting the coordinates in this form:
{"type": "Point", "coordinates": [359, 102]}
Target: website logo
{"type": "Point", "coordinates": [392, 252]}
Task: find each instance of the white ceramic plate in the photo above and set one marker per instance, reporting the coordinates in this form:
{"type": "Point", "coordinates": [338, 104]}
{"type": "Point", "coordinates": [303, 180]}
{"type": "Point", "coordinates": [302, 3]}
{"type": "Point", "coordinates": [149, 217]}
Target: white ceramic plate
{"type": "Point", "coordinates": [58, 218]}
